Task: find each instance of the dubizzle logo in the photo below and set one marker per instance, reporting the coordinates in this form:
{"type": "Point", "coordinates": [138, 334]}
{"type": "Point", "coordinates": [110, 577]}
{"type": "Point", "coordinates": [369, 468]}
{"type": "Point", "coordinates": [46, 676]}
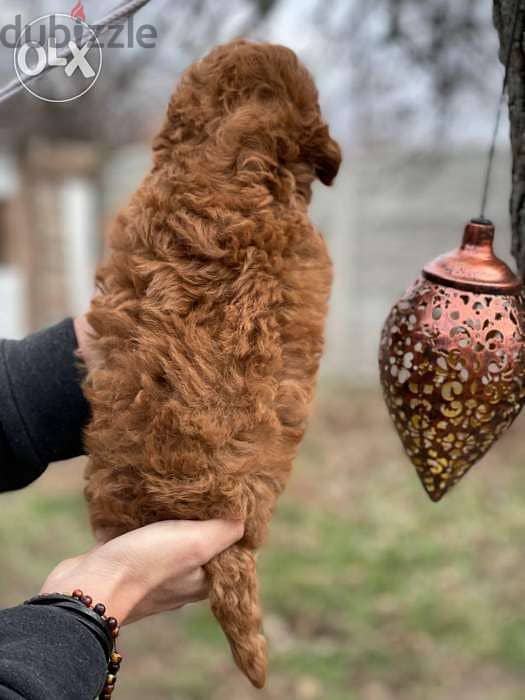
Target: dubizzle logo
{"type": "Point", "coordinates": [78, 11]}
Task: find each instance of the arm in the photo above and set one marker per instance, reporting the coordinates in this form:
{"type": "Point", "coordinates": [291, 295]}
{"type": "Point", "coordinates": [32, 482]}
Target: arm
{"type": "Point", "coordinates": [45, 652]}
{"type": "Point", "coordinates": [48, 653]}
{"type": "Point", "coordinates": [42, 408]}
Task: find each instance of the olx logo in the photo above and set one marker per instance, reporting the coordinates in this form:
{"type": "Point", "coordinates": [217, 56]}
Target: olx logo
{"type": "Point", "coordinates": [61, 42]}
{"type": "Point", "coordinates": [78, 59]}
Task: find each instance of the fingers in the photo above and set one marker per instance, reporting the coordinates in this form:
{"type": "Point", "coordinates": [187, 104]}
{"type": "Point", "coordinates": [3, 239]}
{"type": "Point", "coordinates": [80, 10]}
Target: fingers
{"type": "Point", "coordinates": [174, 594]}
{"type": "Point", "coordinates": [192, 543]}
{"type": "Point", "coordinates": [151, 569]}
{"type": "Point", "coordinates": [215, 536]}
{"type": "Point", "coordinates": [188, 544]}
{"type": "Point", "coordinates": [193, 588]}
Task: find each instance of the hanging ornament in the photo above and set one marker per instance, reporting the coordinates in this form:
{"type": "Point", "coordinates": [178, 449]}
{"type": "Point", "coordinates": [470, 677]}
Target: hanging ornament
{"type": "Point", "coordinates": [452, 360]}
{"type": "Point", "coordinates": [452, 354]}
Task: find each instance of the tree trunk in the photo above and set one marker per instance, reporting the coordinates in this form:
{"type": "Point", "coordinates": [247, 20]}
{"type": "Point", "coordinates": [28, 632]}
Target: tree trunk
{"type": "Point", "coordinates": [503, 19]}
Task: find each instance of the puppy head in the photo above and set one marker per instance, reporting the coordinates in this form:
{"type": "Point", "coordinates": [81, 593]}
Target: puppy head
{"type": "Point", "coordinates": [255, 100]}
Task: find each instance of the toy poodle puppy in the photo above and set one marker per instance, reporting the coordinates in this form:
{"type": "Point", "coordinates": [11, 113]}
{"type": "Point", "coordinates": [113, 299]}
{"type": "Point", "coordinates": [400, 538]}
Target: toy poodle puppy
{"type": "Point", "coordinates": [208, 327]}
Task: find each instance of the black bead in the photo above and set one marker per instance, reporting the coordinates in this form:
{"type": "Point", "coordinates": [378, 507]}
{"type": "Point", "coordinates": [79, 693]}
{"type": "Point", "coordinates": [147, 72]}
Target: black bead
{"type": "Point", "coordinates": [100, 609]}
{"type": "Point", "coordinates": [113, 623]}
{"type": "Point", "coordinates": [113, 668]}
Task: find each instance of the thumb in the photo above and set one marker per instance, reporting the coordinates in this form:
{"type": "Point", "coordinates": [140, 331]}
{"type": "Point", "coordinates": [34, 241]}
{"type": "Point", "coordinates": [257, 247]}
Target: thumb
{"type": "Point", "coordinates": [215, 536]}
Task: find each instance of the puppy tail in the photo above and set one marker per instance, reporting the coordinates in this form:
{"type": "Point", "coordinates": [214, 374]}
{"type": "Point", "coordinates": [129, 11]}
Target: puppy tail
{"type": "Point", "coordinates": [235, 603]}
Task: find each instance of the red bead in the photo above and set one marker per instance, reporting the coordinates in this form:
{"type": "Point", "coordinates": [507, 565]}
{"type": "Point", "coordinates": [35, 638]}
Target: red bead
{"type": "Point", "coordinates": [77, 593]}
{"type": "Point", "coordinates": [100, 609]}
{"type": "Point", "coordinates": [87, 600]}
{"type": "Point", "coordinates": [112, 622]}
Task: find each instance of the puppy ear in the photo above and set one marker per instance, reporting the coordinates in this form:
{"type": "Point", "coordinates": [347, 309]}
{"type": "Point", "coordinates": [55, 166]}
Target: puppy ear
{"type": "Point", "coordinates": [326, 156]}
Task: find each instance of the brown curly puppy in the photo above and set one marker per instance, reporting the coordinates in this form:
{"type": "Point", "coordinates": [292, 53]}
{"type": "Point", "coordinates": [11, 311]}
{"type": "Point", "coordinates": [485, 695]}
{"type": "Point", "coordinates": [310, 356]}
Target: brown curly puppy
{"type": "Point", "coordinates": [209, 323]}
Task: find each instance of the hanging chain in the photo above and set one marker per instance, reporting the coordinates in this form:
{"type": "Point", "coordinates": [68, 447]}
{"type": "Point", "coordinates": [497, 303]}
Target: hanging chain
{"type": "Point", "coordinates": [492, 151]}
{"type": "Point", "coordinates": [121, 13]}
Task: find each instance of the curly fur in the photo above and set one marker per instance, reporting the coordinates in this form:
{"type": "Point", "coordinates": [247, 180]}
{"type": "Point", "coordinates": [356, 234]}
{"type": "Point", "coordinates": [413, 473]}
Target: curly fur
{"type": "Point", "coordinates": [209, 323]}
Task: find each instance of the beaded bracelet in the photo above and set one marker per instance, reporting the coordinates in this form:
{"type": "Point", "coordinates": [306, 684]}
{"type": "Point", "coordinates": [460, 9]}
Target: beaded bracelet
{"type": "Point", "coordinates": [97, 613]}
{"type": "Point", "coordinates": [115, 658]}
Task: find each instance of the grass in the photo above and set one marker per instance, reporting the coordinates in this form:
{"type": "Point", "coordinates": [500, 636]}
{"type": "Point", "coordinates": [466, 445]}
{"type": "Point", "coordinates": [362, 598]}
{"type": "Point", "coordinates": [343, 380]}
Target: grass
{"type": "Point", "coordinates": [370, 591]}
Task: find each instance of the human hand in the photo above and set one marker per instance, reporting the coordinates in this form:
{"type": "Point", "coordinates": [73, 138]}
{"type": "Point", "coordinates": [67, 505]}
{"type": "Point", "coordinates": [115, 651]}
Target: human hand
{"type": "Point", "coordinates": [147, 571]}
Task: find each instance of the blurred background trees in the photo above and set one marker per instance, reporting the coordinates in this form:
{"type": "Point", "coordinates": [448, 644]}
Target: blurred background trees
{"type": "Point", "coordinates": [395, 65]}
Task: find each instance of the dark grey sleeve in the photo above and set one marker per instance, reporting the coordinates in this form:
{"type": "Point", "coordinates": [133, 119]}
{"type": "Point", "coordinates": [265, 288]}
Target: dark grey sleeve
{"type": "Point", "coordinates": [42, 408]}
{"type": "Point", "coordinates": [46, 653]}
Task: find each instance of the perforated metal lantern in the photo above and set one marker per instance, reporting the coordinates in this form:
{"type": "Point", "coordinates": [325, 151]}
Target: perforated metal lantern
{"type": "Point", "coordinates": [452, 360]}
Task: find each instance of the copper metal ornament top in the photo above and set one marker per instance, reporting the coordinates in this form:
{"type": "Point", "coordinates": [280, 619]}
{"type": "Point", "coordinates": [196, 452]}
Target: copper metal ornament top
{"type": "Point", "coordinates": [474, 266]}
{"type": "Point", "coordinates": [452, 360]}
